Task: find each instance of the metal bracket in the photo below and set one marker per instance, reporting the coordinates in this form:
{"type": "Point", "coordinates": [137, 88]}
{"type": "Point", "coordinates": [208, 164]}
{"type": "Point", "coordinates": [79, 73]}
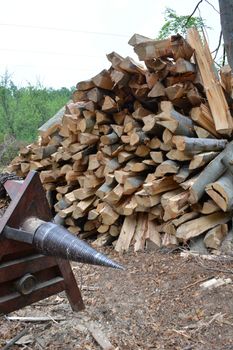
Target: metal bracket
{"type": "Point", "coordinates": [28, 200]}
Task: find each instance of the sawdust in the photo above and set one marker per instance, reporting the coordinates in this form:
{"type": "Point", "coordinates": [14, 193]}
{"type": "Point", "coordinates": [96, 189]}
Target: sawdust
{"type": "Point", "coordinates": [157, 303]}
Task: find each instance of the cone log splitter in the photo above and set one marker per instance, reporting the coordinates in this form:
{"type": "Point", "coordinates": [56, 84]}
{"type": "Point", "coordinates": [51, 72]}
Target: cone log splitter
{"type": "Point", "coordinates": [34, 252]}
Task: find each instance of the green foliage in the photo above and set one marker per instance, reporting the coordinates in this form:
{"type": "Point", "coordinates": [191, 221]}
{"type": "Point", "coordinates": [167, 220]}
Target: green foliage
{"type": "Point", "coordinates": [178, 24]}
{"type": "Point", "coordinates": [23, 110]}
{"type": "Point", "coordinates": [8, 150]}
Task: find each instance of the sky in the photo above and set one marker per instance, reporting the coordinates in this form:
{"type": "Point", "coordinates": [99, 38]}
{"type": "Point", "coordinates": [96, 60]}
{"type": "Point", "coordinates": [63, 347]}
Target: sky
{"type": "Point", "coordinates": [59, 43]}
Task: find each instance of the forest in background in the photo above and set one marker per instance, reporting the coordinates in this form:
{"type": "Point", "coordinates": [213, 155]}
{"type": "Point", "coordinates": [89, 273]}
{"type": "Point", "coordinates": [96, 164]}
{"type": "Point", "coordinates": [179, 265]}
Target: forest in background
{"type": "Point", "coordinates": [22, 111]}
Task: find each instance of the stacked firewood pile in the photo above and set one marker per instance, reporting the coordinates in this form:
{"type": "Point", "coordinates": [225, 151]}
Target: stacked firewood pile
{"type": "Point", "coordinates": [142, 154]}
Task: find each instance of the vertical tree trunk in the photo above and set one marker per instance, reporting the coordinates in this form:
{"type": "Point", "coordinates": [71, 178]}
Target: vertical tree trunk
{"type": "Point", "coordinates": [226, 15]}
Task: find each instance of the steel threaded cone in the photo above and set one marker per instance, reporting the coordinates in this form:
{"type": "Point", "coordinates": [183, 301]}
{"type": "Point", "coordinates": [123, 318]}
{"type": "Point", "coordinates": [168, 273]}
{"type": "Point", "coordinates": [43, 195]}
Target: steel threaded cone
{"type": "Point", "coordinates": [51, 239]}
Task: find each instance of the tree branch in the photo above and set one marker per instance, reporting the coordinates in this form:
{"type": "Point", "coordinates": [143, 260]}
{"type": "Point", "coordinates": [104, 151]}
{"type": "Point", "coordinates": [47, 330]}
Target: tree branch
{"type": "Point", "coordinates": [209, 3]}
{"type": "Point", "coordinates": [195, 9]}
{"type": "Point", "coordinates": [224, 56]}
{"type": "Point", "coordinates": [217, 48]}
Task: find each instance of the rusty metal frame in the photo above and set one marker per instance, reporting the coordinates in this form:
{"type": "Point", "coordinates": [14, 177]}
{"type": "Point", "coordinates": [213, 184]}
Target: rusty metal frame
{"type": "Point", "coordinates": [28, 199]}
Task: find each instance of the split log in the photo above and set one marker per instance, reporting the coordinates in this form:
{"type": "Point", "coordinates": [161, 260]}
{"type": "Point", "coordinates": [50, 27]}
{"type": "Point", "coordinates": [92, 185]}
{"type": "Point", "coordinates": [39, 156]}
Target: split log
{"type": "Point", "coordinates": [181, 156]}
{"type": "Point", "coordinates": [202, 133]}
{"type": "Point", "coordinates": [176, 92]}
{"type": "Point", "coordinates": [157, 157]}
{"type": "Point", "coordinates": [145, 200]}
{"type": "Point", "coordinates": [141, 232]}
{"type": "Point", "coordinates": [121, 79]}
{"type": "Point", "coordinates": [169, 194]}
{"type": "Point", "coordinates": [85, 85]}
{"type": "Point", "coordinates": [109, 216]}
{"type": "Point", "coordinates": [197, 226]}
{"type": "Point", "coordinates": [103, 190]}
{"type": "Point", "coordinates": [176, 205]}
{"type": "Point", "coordinates": [211, 172]}
{"type": "Point", "coordinates": [215, 236]}
{"type": "Point", "coordinates": [221, 191]}
{"type": "Point", "coordinates": [185, 217]}
{"type": "Point", "coordinates": [138, 137]}
{"type": "Point", "coordinates": [44, 152]}
{"type": "Point", "coordinates": [174, 121]}
{"type": "Point", "coordinates": [176, 47]}
{"type": "Point", "coordinates": [160, 185]}
{"type": "Point", "coordinates": [103, 80]}
{"type": "Point", "coordinates": [169, 241]}
{"type": "Point", "coordinates": [153, 239]}
{"type": "Point", "coordinates": [201, 159]}
{"type": "Point", "coordinates": [209, 207]}
{"type": "Point", "coordinates": [183, 66]}
{"type": "Point", "coordinates": [126, 234]}
{"type": "Point", "coordinates": [109, 105]}
{"type": "Point", "coordinates": [115, 59]}
{"type": "Point", "coordinates": [114, 230]}
{"type": "Point", "coordinates": [129, 65]}
{"type": "Point", "coordinates": [142, 151]}
{"type": "Point", "coordinates": [102, 118]}
{"type": "Point", "coordinates": [95, 95]}
{"type": "Point", "coordinates": [197, 145]}
{"type": "Point", "coordinates": [202, 116]}
{"type": "Point", "coordinates": [167, 167]}
{"type": "Point", "coordinates": [132, 184]}
{"type": "Point", "coordinates": [158, 90]}
{"type": "Point", "coordinates": [183, 174]}
{"type": "Point", "coordinates": [124, 156]}
{"type": "Point", "coordinates": [137, 39]}
{"type": "Point", "coordinates": [109, 139]}
{"type": "Point", "coordinates": [217, 102]}
{"type": "Point", "coordinates": [88, 139]}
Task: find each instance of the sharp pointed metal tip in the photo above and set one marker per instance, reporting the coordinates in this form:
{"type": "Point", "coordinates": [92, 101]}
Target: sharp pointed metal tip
{"type": "Point", "coordinates": [120, 267]}
{"type": "Point", "coordinates": [52, 239]}
{"type": "Point", "coordinates": [105, 261]}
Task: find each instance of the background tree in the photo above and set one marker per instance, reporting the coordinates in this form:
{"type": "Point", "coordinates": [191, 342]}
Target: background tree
{"type": "Point", "coordinates": [226, 15]}
{"type": "Point", "coordinates": [8, 104]}
{"type": "Point", "coordinates": [22, 111]}
{"type": "Point", "coordinates": [178, 24]}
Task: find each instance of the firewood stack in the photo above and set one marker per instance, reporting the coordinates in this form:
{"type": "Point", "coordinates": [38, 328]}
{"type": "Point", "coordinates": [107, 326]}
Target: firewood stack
{"type": "Point", "coordinates": [140, 157]}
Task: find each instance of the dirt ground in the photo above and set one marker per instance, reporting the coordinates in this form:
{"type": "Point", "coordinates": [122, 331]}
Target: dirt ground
{"type": "Point", "coordinates": [157, 303]}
